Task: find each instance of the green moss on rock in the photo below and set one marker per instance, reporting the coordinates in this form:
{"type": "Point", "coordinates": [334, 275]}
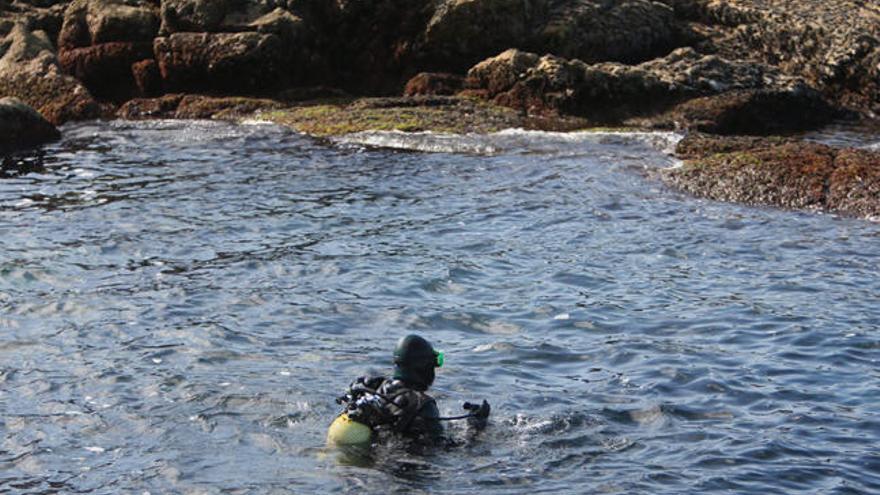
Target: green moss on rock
{"type": "Point", "coordinates": [447, 115]}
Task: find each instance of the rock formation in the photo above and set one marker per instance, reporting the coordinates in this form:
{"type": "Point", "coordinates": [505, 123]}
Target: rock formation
{"type": "Point", "coordinates": [22, 127]}
{"type": "Point", "coordinates": [29, 70]}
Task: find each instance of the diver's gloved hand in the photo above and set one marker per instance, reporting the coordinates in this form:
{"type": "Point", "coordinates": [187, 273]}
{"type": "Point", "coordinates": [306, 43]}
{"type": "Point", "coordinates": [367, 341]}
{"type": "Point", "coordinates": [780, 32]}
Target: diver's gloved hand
{"type": "Point", "coordinates": [480, 415]}
{"type": "Point", "coordinates": [479, 411]}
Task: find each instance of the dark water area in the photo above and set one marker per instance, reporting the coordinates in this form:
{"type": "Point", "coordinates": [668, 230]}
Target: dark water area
{"type": "Point", "coordinates": [180, 303]}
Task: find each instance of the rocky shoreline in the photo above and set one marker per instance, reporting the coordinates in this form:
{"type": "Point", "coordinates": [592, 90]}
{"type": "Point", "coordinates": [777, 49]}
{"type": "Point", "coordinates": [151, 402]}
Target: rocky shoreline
{"type": "Point", "coordinates": [717, 70]}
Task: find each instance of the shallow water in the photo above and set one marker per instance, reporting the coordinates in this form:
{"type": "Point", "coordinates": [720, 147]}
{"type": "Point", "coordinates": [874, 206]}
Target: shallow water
{"type": "Point", "coordinates": [182, 301]}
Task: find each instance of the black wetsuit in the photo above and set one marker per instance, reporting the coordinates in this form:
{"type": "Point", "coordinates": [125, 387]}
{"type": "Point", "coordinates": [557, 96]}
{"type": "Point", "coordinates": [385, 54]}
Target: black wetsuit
{"type": "Point", "coordinates": [391, 405]}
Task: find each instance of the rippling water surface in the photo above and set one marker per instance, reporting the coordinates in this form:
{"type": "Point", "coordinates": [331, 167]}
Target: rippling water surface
{"type": "Point", "coordinates": [180, 302]}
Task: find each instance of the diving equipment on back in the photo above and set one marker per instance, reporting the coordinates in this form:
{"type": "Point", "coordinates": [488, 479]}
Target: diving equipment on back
{"type": "Point", "coordinates": [378, 406]}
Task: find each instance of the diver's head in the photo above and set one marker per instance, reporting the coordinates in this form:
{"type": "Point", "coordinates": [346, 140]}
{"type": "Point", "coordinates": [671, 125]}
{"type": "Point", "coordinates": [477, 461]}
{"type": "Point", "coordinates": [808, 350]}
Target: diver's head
{"type": "Point", "coordinates": [415, 360]}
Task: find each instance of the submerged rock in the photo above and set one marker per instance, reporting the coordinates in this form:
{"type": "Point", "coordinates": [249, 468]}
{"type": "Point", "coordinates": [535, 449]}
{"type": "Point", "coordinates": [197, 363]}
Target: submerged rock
{"type": "Point", "coordinates": [22, 127]}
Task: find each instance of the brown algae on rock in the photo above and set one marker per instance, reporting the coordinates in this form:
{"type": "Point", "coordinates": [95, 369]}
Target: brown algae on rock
{"type": "Point", "coordinates": [780, 172]}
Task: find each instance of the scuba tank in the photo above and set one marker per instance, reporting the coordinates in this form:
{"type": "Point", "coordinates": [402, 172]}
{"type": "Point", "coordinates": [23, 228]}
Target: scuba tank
{"type": "Point", "coordinates": [345, 431]}
{"type": "Point", "coordinates": [363, 406]}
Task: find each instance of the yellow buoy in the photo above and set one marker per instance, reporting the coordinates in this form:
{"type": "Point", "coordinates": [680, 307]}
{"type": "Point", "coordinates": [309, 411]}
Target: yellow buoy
{"type": "Point", "coordinates": [346, 431]}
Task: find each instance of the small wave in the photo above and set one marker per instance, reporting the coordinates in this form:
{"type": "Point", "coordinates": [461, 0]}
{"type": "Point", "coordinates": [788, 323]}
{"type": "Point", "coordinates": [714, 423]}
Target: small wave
{"type": "Point", "coordinates": [512, 140]}
{"type": "Point", "coordinates": [844, 134]}
{"type": "Point", "coordinates": [422, 141]}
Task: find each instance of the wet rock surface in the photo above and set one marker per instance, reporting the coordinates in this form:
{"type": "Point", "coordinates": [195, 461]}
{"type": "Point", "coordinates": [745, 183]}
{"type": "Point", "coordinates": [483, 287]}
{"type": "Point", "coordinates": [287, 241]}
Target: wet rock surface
{"type": "Point", "coordinates": [22, 127]}
{"type": "Point", "coordinates": [779, 172]}
{"type": "Point", "coordinates": [443, 114]}
{"type": "Point", "coordinates": [182, 106]}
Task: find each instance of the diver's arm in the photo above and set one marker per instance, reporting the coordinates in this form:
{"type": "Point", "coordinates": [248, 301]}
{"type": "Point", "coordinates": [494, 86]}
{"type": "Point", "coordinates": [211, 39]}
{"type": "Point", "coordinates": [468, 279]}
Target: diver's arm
{"type": "Point", "coordinates": [417, 415]}
{"type": "Point", "coordinates": [430, 424]}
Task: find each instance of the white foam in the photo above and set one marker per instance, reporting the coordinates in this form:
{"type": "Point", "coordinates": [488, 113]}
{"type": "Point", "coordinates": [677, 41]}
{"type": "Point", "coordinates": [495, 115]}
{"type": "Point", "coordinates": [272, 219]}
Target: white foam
{"type": "Point", "coordinates": [513, 141]}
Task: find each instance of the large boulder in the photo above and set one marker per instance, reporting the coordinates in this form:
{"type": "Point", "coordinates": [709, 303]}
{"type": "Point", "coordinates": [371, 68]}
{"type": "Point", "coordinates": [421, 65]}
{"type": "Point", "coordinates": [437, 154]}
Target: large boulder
{"type": "Point", "coordinates": [754, 112]}
{"type": "Point", "coordinates": [499, 74]}
{"type": "Point", "coordinates": [628, 31]}
{"type": "Point", "coordinates": [147, 77]}
{"type": "Point", "coordinates": [106, 68]}
{"type": "Point", "coordinates": [604, 93]}
{"type": "Point", "coordinates": [833, 45]}
{"type": "Point", "coordinates": [35, 15]}
{"type": "Point", "coordinates": [246, 63]}
{"type": "Point", "coordinates": [92, 22]}
{"type": "Point", "coordinates": [29, 70]}
{"type": "Point", "coordinates": [101, 39]}
{"type": "Point", "coordinates": [194, 15]}
{"type": "Point", "coordinates": [22, 127]}
{"type": "Point", "coordinates": [705, 74]}
{"type": "Point", "coordinates": [287, 26]}
{"type": "Point", "coordinates": [215, 16]}
{"type": "Point", "coordinates": [462, 32]}
{"type": "Point", "coordinates": [688, 90]}
{"type": "Point", "coordinates": [367, 46]}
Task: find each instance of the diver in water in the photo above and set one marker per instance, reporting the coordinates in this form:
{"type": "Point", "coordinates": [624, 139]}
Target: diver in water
{"type": "Point", "coordinates": [378, 406]}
